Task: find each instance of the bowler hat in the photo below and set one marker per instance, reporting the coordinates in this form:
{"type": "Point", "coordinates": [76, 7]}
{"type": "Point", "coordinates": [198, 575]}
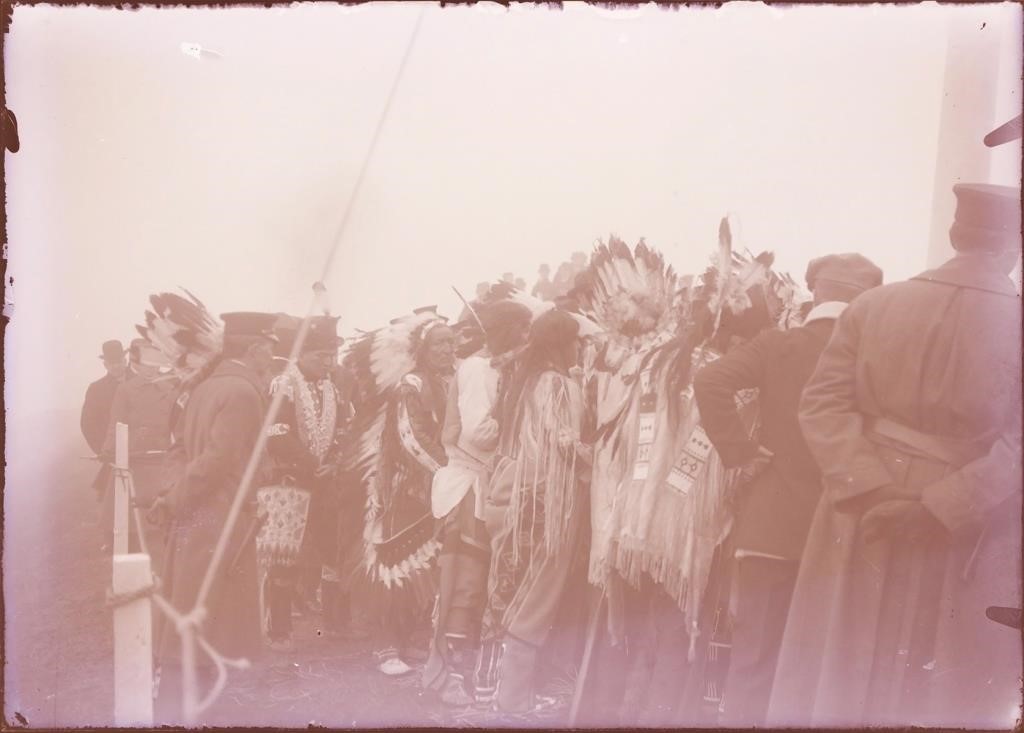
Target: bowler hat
{"type": "Point", "coordinates": [112, 350]}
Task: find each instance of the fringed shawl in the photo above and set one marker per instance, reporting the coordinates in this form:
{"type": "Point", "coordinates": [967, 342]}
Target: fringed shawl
{"type": "Point", "coordinates": [546, 468]}
{"type": "Point", "coordinates": [651, 528]}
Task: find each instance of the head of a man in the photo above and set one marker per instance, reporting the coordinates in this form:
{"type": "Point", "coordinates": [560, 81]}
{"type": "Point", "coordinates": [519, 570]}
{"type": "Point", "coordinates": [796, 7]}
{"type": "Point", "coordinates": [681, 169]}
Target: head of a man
{"type": "Point", "coordinates": [987, 225]}
{"type": "Point", "coordinates": [435, 350]}
{"type": "Point", "coordinates": [249, 338]}
{"type": "Point", "coordinates": [319, 354]}
{"type": "Point", "coordinates": [112, 355]}
{"type": "Point", "coordinates": [544, 271]}
{"type": "Point", "coordinates": [841, 277]}
{"type": "Point", "coordinates": [145, 359]}
{"type": "Point", "coordinates": [506, 325]}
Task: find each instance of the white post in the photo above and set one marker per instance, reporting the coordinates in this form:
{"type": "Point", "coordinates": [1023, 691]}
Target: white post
{"type": "Point", "coordinates": [121, 499]}
{"type": "Point", "coordinates": [973, 86]}
{"type": "Point", "coordinates": [133, 643]}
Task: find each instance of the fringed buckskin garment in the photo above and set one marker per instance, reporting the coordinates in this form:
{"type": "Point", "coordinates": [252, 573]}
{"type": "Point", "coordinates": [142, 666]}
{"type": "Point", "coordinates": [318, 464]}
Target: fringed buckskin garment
{"type": "Point", "coordinates": [534, 519]}
{"type": "Point", "coordinates": [672, 508]}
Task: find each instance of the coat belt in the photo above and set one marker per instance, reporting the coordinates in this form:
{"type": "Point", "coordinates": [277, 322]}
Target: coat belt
{"type": "Point", "coordinates": [951, 451]}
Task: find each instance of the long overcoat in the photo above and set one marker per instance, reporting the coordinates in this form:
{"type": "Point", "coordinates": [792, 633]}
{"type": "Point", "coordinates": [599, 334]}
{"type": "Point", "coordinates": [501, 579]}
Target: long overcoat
{"type": "Point", "coordinates": [918, 391]}
{"type": "Point", "coordinates": [222, 421]}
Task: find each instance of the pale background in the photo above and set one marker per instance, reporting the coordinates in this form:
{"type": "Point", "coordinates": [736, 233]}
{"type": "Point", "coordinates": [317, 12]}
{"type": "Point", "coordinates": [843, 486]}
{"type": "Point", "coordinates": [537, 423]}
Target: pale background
{"type": "Point", "coordinates": [516, 137]}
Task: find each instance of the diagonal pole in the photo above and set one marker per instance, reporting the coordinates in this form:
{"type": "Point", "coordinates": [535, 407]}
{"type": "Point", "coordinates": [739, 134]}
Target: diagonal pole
{"type": "Point", "coordinates": [196, 615]}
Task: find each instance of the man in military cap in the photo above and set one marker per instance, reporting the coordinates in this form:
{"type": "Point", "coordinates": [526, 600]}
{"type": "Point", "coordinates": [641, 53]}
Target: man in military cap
{"type": "Point", "coordinates": [777, 504]}
{"type": "Point", "coordinates": [913, 414]}
{"type": "Point", "coordinates": [221, 425]}
{"type": "Point", "coordinates": [304, 445]}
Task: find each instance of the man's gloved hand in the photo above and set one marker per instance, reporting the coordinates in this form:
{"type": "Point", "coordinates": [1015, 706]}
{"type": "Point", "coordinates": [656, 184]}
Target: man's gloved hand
{"type": "Point", "coordinates": [899, 518]}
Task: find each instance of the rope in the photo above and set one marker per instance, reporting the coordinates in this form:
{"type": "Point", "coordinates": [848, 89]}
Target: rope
{"type": "Point", "coordinates": [192, 706]}
{"type": "Point", "coordinates": [116, 600]}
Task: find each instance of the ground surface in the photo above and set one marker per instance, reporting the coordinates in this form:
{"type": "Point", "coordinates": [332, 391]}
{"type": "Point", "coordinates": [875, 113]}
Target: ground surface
{"type": "Point", "coordinates": [58, 632]}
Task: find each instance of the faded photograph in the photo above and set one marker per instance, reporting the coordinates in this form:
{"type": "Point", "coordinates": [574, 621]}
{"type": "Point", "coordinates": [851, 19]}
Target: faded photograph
{"type": "Point", "coordinates": [513, 367]}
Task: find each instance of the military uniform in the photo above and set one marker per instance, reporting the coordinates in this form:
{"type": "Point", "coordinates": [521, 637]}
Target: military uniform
{"type": "Point", "coordinates": [221, 424]}
{"type": "Point", "coordinates": [914, 416]}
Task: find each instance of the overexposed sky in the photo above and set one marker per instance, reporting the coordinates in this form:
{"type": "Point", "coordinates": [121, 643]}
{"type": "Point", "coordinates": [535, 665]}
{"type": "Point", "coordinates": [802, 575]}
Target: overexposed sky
{"type": "Point", "coordinates": [516, 137]}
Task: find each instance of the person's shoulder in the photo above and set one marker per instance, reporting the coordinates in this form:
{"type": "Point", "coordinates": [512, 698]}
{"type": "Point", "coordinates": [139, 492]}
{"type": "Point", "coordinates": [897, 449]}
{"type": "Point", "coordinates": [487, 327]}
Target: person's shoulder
{"type": "Point", "coordinates": [228, 386]}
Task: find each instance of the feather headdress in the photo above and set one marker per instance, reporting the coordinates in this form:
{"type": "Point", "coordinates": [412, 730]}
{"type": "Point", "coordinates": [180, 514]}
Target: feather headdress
{"type": "Point", "coordinates": [378, 361]}
{"type": "Point", "coordinates": [183, 330]}
{"type": "Point", "coordinates": [468, 331]}
{"type": "Point", "coordinates": [629, 294]}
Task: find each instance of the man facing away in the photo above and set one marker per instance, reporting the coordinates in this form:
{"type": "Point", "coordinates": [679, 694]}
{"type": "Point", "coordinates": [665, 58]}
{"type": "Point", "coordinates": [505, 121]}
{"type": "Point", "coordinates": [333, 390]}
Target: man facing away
{"type": "Point", "coordinates": [776, 507]}
{"type": "Point", "coordinates": [913, 414]}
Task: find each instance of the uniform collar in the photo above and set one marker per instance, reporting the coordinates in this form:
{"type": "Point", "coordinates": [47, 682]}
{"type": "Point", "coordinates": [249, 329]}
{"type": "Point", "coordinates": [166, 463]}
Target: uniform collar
{"type": "Point", "coordinates": [236, 368]}
{"type": "Point", "coordinates": [967, 271]}
{"type": "Point", "coordinates": [829, 310]}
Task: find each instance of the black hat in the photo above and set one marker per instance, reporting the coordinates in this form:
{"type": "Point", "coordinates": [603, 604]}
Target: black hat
{"type": "Point", "coordinates": [112, 350]}
{"type": "Point", "coordinates": [846, 269]}
{"type": "Point", "coordinates": [1005, 133]}
{"type": "Point", "coordinates": [987, 217]}
{"type": "Point", "coordinates": [322, 334]}
{"type": "Point", "coordinates": [250, 324]}
{"type": "Point", "coordinates": [285, 328]}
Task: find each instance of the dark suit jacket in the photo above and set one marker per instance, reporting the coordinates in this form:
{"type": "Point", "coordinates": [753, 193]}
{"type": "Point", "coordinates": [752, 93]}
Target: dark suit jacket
{"type": "Point", "coordinates": [99, 400]}
{"type": "Point", "coordinates": [776, 508]}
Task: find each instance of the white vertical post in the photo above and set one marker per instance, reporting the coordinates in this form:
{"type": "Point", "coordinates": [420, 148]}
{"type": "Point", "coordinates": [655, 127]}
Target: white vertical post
{"type": "Point", "coordinates": [133, 644]}
{"type": "Point", "coordinates": [121, 499]}
{"type": "Point", "coordinates": [967, 113]}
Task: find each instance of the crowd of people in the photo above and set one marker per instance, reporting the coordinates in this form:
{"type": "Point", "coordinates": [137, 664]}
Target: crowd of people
{"type": "Point", "coordinates": [715, 499]}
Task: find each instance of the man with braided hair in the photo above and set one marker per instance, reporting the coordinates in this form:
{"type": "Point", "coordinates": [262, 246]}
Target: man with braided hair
{"type": "Point", "coordinates": [470, 437]}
